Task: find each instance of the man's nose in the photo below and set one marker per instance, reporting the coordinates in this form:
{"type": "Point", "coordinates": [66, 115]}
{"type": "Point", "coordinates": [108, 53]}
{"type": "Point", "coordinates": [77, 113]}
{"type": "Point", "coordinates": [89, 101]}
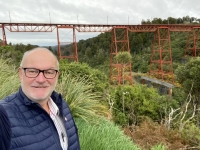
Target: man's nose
{"type": "Point", "coordinates": [40, 77]}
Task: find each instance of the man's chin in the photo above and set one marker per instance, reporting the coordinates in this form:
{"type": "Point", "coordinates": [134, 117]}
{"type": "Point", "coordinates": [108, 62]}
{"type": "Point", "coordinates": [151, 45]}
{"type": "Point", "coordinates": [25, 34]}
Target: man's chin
{"type": "Point", "coordinates": [40, 98]}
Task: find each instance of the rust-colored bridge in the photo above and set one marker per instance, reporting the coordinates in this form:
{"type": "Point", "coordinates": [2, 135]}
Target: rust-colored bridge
{"type": "Point", "coordinates": [161, 56]}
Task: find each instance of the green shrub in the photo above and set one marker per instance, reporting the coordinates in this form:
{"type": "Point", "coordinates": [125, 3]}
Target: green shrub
{"type": "Point", "coordinates": [9, 53]}
{"type": "Point", "coordinates": [98, 79]}
{"type": "Point", "coordinates": [120, 118]}
{"type": "Point", "coordinates": [191, 135]}
{"type": "Point", "coordinates": [139, 100]}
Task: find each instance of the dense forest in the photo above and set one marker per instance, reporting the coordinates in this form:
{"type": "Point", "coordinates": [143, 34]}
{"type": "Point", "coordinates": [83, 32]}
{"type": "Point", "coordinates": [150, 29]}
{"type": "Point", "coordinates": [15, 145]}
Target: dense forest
{"type": "Point", "coordinates": [152, 120]}
{"type": "Point", "coordinates": [171, 20]}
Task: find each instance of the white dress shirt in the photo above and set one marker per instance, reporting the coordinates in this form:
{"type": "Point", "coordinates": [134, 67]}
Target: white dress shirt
{"type": "Point", "coordinates": [58, 122]}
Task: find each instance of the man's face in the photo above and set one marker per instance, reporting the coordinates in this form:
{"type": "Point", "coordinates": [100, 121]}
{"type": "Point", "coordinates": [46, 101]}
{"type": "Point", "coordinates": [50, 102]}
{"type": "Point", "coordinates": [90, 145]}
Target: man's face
{"type": "Point", "coordinates": [38, 89]}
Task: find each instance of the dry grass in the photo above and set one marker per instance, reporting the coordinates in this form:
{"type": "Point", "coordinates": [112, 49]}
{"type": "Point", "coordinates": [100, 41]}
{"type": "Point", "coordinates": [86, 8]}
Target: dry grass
{"type": "Point", "coordinates": [149, 134]}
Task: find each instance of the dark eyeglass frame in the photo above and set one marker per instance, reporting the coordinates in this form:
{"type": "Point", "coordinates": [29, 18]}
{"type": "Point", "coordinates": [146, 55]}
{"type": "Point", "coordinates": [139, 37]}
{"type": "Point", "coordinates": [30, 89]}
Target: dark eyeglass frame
{"type": "Point", "coordinates": [39, 72]}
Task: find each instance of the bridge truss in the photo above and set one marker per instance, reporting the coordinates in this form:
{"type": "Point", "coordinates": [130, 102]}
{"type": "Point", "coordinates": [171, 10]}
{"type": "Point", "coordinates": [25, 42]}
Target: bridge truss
{"type": "Point", "coordinates": [161, 55]}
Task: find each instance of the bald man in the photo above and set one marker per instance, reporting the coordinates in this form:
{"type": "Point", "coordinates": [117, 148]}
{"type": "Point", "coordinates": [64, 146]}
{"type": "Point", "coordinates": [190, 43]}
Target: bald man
{"type": "Point", "coordinates": [36, 117]}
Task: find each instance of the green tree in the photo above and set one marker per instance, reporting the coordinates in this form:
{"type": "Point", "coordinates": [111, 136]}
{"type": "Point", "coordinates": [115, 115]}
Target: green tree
{"type": "Point", "coordinates": [157, 21]}
{"type": "Point", "coordinates": [172, 20]}
{"type": "Point", "coordinates": [123, 58]}
{"type": "Point", "coordinates": [140, 101]}
{"type": "Point", "coordinates": [188, 76]}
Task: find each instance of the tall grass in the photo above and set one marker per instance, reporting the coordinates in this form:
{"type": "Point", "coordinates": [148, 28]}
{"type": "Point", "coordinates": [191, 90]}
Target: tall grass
{"type": "Point", "coordinates": [8, 78]}
{"type": "Point", "coordinates": [83, 102]}
{"type": "Point", "coordinates": [103, 136]}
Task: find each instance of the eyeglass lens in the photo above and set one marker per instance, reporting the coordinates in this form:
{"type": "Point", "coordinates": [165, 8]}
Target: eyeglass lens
{"type": "Point", "coordinates": [33, 73]}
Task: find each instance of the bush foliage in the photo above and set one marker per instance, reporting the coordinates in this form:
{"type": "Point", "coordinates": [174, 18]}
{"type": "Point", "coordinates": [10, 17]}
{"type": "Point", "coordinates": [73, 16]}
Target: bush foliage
{"type": "Point", "coordinates": [139, 100]}
{"type": "Point", "coordinates": [98, 79]}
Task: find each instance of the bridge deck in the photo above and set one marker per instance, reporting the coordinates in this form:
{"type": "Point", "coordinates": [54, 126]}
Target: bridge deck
{"type": "Point", "coordinates": [49, 27]}
{"type": "Point", "coordinates": [158, 82]}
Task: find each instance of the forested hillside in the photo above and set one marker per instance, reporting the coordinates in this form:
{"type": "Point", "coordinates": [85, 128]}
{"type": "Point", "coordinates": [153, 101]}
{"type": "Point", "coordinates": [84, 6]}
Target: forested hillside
{"type": "Point", "coordinates": [96, 51]}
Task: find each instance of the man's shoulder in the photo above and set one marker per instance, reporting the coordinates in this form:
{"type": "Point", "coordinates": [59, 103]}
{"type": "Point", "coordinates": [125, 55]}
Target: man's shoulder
{"type": "Point", "coordinates": [4, 130]}
{"type": "Point", "coordinates": [65, 105]}
{"type": "Point", "coordinates": [8, 101]}
{"type": "Point", "coordinates": [3, 115]}
{"type": "Point", "coordinates": [7, 106]}
{"type": "Point", "coordinates": [2, 112]}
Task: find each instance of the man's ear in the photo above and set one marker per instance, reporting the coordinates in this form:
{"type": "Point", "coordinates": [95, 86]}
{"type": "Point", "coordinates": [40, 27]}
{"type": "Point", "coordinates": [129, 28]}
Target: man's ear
{"type": "Point", "coordinates": [58, 73]}
{"type": "Point", "coordinates": [20, 73]}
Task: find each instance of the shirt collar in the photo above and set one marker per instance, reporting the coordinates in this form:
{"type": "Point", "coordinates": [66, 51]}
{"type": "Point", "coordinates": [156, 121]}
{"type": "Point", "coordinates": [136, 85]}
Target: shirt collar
{"type": "Point", "coordinates": [53, 107]}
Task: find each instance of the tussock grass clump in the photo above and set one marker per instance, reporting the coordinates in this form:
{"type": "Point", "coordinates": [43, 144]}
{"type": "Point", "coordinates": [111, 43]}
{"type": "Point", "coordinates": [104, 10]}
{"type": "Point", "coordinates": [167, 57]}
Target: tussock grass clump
{"type": "Point", "coordinates": [83, 102]}
{"type": "Point", "coordinates": [8, 78]}
{"type": "Point", "coordinates": [103, 136]}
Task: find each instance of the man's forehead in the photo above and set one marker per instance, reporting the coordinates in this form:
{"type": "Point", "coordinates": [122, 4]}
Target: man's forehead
{"type": "Point", "coordinates": [40, 51]}
{"type": "Point", "coordinates": [40, 57]}
{"type": "Point", "coordinates": [40, 54]}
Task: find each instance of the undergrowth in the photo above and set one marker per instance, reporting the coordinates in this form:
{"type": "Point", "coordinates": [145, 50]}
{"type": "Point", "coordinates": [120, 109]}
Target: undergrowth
{"type": "Point", "coordinates": [103, 136]}
{"type": "Point", "coordinates": [150, 134]}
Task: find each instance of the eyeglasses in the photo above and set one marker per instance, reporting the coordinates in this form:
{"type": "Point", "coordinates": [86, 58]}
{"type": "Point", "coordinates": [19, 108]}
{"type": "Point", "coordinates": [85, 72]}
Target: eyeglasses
{"type": "Point", "coordinates": [33, 73]}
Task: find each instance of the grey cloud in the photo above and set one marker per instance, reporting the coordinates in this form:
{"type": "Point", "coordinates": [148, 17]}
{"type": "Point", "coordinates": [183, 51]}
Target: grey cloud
{"type": "Point", "coordinates": [89, 11]}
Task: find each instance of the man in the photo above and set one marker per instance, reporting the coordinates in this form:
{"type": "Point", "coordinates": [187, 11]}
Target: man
{"type": "Point", "coordinates": [36, 117]}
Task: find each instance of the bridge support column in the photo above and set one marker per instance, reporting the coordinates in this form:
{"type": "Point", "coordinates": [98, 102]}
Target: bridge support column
{"type": "Point", "coordinates": [170, 91]}
{"type": "Point", "coordinates": [193, 43]}
{"type": "Point", "coordinates": [161, 57]}
{"type": "Point", "coordinates": [4, 42]}
{"type": "Point", "coordinates": [119, 43]}
{"type": "Point", "coordinates": [67, 50]}
{"type": "Point", "coordinates": [58, 40]}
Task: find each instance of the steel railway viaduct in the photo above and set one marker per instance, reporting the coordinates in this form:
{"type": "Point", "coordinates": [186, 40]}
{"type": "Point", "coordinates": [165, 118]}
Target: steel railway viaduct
{"type": "Point", "coordinates": [160, 59]}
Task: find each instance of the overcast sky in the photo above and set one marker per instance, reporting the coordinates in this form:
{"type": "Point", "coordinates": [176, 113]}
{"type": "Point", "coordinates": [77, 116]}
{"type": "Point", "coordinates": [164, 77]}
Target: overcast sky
{"type": "Point", "coordinates": [87, 12]}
